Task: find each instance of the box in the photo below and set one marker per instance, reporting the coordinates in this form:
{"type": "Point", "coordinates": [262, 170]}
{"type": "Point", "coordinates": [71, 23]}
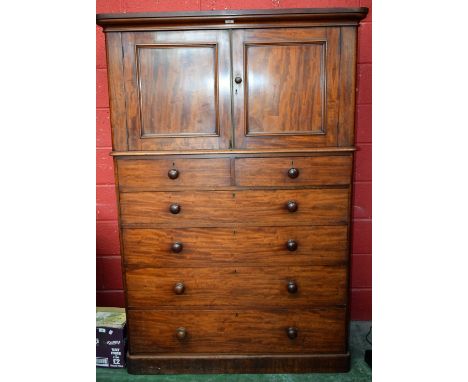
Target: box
{"type": "Point", "coordinates": [111, 339]}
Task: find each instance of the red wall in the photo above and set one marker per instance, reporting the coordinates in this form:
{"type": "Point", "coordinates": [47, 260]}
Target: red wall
{"type": "Point", "coordinates": [109, 282]}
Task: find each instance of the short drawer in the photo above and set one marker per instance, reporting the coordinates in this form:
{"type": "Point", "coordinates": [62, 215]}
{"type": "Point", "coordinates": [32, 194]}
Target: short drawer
{"type": "Point", "coordinates": [294, 171]}
{"type": "Point", "coordinates": [247, 207]}
{"type": "Point", "coordinates": [262, 246]}
{"type": "Point", "coordinates": [237, 331]}
{"type": "Point", "coordinates": [288, 287]}
{"type": "Point", "coordinates": [173, 174]}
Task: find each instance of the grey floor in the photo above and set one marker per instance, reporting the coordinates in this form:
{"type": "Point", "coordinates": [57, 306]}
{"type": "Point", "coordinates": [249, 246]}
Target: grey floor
{"type": "Point", "coordinates": [360, 372]}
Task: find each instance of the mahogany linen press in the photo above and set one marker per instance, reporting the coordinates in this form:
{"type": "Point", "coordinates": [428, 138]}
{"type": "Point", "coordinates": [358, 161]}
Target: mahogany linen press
{"type": "Point", "coordinates": [233, 144]}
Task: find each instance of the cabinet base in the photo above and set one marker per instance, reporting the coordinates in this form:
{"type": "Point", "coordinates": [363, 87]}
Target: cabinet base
{"type": "Point", "coordinates": [236, 363]}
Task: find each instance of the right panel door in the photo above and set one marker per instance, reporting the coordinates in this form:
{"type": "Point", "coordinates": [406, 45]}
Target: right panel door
{"type": "Point", "coordinates": [286, 87]}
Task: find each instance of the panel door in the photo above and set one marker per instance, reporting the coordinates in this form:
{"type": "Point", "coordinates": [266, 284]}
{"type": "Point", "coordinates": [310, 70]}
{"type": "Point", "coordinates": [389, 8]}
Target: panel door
{"type": "Point", "coordinates": [177, 89]}
{"type": "Point", "coordinates": [285, 87]}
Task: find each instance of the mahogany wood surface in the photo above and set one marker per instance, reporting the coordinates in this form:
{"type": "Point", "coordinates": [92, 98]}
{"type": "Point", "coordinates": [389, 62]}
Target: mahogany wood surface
{"type": "Point", "coordinates": [262, 246]}
{"type": "Point", "coordinates": [237, 331]}
{"type": "Point", "coordinates": [313, 171]}
{"type": "Point", "coordinates": [236, 286]}
{"type": "Point", "coordinates": [204, 363]}
{"type": "Point", "coordinates": [172, 103]}
{"type": "Point", "coordinates": [233, 136]}
{"type": "Point", "coordinates": [192, 173]}
{"type": "Point", "coordinates": [289, 94]}
{"type": "Point", "coordinates": [226, 208]}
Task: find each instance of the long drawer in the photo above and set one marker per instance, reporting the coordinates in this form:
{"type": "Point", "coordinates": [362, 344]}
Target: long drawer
{"type": "Point", "coordinates": [237, 331]}
{"type": "Point", "coordinates": [261, 246]}
{"type": "Point", "coordinates": [274, 286]}
{"type": "Point", "coordinates": [249, 207]}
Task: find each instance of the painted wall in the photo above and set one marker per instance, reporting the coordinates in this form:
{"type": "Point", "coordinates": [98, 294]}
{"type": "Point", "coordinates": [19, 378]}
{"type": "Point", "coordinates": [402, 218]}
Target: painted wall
{"type": "Point", "coordinates": [109, 281]}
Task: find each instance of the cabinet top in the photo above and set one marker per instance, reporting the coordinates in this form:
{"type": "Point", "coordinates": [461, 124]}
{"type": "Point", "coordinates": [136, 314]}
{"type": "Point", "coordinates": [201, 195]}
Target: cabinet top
{"type": "Point", "coordinates": [231, 19]}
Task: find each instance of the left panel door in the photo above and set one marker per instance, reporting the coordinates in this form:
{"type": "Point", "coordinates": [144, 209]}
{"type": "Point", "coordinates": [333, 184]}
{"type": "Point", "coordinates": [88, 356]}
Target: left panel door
{"type": "Point", "coordinates": [177, 90]}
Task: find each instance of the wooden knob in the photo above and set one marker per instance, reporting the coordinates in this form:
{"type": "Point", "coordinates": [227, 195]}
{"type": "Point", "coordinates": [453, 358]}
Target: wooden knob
{"type": "Point", "coordinates": [179, 288]}
{"type": "Point", "coordinates": [292, 286]}
{"type": "Point", "coordinates": [181, 333]}
{"type": "Point", "coordinates": [177, 247]}
{"type": "Point", "coordinates": [291, 245]}
{"type": "Point", "coordinates": [292, 332]}
{"type": "Point", "coordinates": [173, 173]}
{"type": "Point", "coordinates": [174, 208]}
{"type": "Point", "coordinates": [291, 206]}
{"type": "Point", "coordinates": [238, 80]}
{"type": "Point", "coordinates": [293, 173]}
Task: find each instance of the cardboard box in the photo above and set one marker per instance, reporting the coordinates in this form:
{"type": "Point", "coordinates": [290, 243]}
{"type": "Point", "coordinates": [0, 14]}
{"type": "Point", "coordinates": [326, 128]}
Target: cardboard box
{"type": "Point", "coordinates": [111, 339]}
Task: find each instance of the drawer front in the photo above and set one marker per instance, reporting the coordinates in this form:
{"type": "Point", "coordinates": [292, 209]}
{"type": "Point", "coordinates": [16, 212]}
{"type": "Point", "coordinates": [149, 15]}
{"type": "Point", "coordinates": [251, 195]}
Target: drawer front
{"type": "Point", "coordinates": [294, 171]}
{"type": "Point", "coordinates": [314, 207]}
{"type": "Point", "coordinates": [173, 174]}
{"type": "Point", "coordinates": [261, 246]}
{"type": "Point", "coordinates": [237, 331]}
{"type": "Point", "coordinates": [236, 286]}
{"type": "Point", "coordinates": [249, 207]}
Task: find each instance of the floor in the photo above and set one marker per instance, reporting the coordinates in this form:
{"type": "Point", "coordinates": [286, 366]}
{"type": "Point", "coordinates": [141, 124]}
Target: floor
{"type": "Point", "coordinates": [360, 372]}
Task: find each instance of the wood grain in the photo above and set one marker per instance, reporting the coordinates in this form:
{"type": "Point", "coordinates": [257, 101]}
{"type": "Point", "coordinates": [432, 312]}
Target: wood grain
{"type": "Point", "coordinates": [225, 208]}
{"type": "Point", "coordinates": [148, 175]}
{"type": "Point", "coordinates": [178, 98]}
{"type": "Point", "coordinates": [293, 98]}
{"type": "Point", "coordinates": [285, 88]}
{"type": "Point", "coordinates": [236, 331]}
{"type": "Point", "coordinates": [265, 363]}
{"type": "Point", "coordinates": [259, 246]}
{"type": "Point", "coordinates": [313, 171]}
{"type": "Point", "coordinates": [172, 104]}
{"type": "Point", "coordinates": [236, 286]}
{"type": "Point", "coordinates": [116, 91]}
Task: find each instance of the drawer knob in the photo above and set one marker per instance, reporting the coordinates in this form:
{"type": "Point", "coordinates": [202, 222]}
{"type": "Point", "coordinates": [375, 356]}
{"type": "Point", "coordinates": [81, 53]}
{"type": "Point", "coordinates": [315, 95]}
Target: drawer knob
{"type": "Point", "coordinates": [179, 288]}
{"type": "Point", "coordinates": [291, 245]}
{"type": "Point", "coordinates": [173, 173]}
{"type": "Point", "coordinates": [177, 247]}
{"type": "Point", "coordinates": [292, 332]}
{"type": "Point", "coordinates": [238, 80]}
{"type": "Point", "coordinates": [293, 173]}
{"type": "Point", "coordinates": [292, 286]}
{"type": "Point", "coordinates": [174, 208]}
{"type": "Point", "coordinates": [291, 206]}
{"type": "Point", "coordinates": [181, 333]}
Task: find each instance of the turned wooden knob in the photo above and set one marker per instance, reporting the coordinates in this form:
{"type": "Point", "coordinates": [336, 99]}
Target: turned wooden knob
{"type": "Point", "coordinates": [174, 208]}
{"type": "Point", "coordinates": [291, 245]}
{"type": "Point", "coordinates": [179, 288]}
{"type": "Point", "coordinates": [291, 206]}
{"type": "Point", "coordinates": [292, 286]}
{"type": "Point", "coordinates": [292, 332]}
{"type": "Point", "coordinates": [293, 173]}
{"type": "Point", "coordinates": [173, 173]}
{"type": "Point", "coordinates": [181, 333]}
{"type": "Point", "coordinates": [177, 247]}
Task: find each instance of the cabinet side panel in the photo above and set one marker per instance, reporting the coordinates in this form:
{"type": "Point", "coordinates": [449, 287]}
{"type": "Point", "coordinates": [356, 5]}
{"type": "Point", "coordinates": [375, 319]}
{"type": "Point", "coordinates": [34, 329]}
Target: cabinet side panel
{"type": "Point", "coordinates": [347, 86]}
{"type": "Point", "coordinates": [116, 91]}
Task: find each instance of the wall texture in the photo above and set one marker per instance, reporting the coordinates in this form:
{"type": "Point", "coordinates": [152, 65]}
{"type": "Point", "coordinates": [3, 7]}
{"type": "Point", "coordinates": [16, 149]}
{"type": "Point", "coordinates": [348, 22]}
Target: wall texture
{"type": "Point", "coordinates": [109, 281]}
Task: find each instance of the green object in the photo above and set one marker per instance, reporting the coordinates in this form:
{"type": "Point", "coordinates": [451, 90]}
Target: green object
{"type": "Point", "coordinates": [110, 317]}
{"type": "Point", "coordinates": [360, 372]}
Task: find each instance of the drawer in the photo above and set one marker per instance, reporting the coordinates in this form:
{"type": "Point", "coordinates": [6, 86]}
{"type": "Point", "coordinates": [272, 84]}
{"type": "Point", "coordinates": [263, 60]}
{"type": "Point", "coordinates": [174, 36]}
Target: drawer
{"type": "Point", "coordinates": [237, 331]}
{"type": "Point", "coordinates": [236, 286]}
{"type": "Point", "coordinates": [262, 246]}
{"type": "Point", "coordinates": [294, 171]}
{"type": "Point", "coordinates": [153, 174]}
{"type": "Point", "coordinates": [248, 207]}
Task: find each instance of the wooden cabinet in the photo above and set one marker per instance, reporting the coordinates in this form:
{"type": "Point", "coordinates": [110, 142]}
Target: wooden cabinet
{"type": "Point", "coordinates": [233, 146]}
